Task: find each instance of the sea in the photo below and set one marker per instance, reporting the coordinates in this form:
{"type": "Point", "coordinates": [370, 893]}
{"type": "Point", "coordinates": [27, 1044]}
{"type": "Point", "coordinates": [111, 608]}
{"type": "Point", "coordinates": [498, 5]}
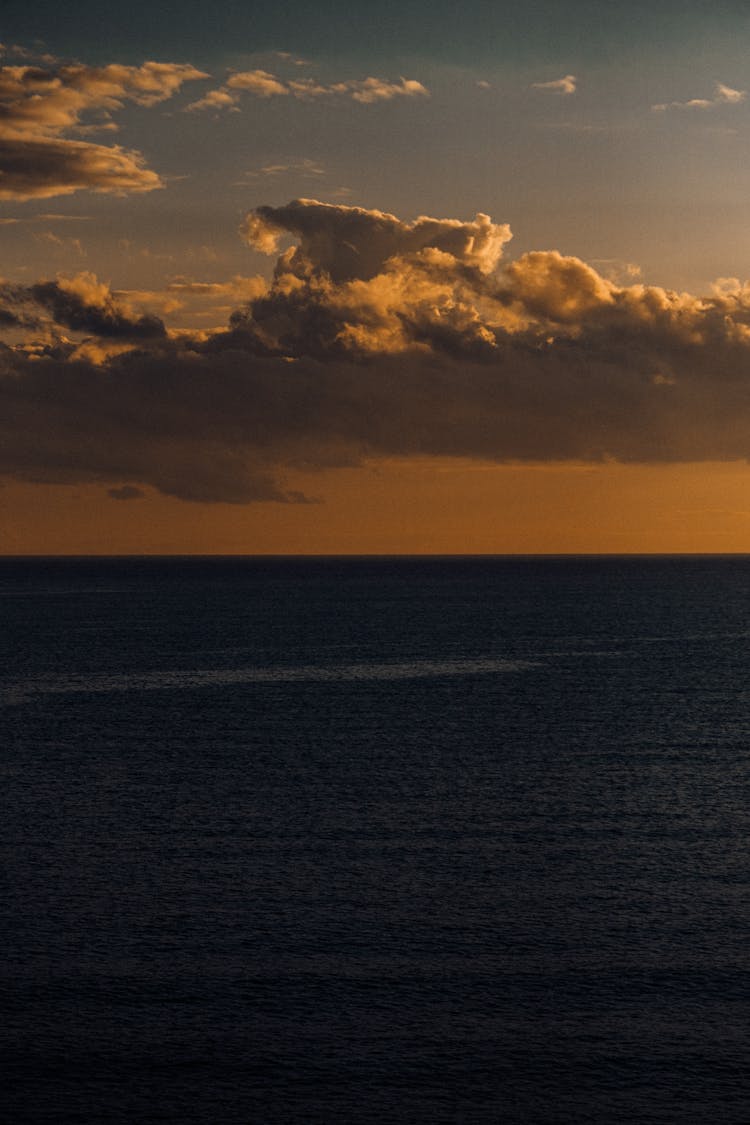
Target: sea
{"type": "Point", "coordinates": [375, 840]}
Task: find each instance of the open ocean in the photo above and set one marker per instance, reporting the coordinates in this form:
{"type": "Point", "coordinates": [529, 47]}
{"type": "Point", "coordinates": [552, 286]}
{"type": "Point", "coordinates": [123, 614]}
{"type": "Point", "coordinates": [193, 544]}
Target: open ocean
{"type": "Point", "coordinates": [375, 840]}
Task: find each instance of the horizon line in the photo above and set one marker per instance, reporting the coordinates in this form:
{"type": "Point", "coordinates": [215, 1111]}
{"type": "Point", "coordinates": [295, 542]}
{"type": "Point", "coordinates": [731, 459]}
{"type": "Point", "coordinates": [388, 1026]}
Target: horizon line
{"type": "Point", "coordinates": [26, 556]}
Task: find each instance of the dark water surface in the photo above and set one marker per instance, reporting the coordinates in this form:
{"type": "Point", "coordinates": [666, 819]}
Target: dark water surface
{"type": "Point", "coordinates": [430, 840]}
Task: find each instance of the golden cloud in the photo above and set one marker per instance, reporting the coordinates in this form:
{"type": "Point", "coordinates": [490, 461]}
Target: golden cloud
{"type": "Point", "coordinates": [723, 95]}
{"type": "Point", "coordinates": [265, 85]}
{"type": "Point", "coordinates": [40, 104]}
{"type": "Point", "coordinates": [565, 86]}
{"type": "Point", "coordinates": [376, 337]}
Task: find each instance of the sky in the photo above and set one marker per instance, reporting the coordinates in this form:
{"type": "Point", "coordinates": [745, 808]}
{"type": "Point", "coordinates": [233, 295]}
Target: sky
{"type": "Point", "coordinates": [374, 278]}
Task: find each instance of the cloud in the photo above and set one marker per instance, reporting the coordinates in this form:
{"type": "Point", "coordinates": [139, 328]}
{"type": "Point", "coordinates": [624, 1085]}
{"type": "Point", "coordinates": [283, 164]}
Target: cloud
{"type": "Point", "coordinates": [565, 86]}
{"type": "Point", "coordinates": [80, 303]}
{"type": "Point", "coordinates": [49, 217]}
{"type": "Point", "coordinates": [239, 287]}
{"type": "Point", "coordinates": [723, 95]}
{"type": "Point", "coordinates": [287, 56]}
{"type": "Point", "coordinates": [28, 53]}
{"type": "Point", "coordinates": [41, 169]}
{"type": "Point", "coordinates": [214, 99]}
{"type": "Point", "coordinates": [617, 270]}
{"type": "Point", "coordinates": [258, 82]}
{"type": "Point", "coordinates": [376, 89]}
{"type": "Point", "coordinates": [376, 337]}
{"type": "Point", "coordinates": [186, 302]}
{"type": "Point", "coordinates": [55, 242]}
{"type": "Point", "coordinates": [346, 242]}
{"type": "Point", "coordinates": [85, 305]}
{"type": "Point", "coordinates": [265, 85]}
{"type": "Point", "coordinates": [126, 492]}
{"type": "Point", "coordinates": [52, 217]}
{"type": "Point", "coordinates": [304, 167]}
{"type": "Point", "coordinates": [39, 105]}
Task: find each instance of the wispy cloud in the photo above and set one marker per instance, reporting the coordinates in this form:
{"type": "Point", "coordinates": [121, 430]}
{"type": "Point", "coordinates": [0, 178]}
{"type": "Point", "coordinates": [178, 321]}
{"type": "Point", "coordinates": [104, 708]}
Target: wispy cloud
{"type": "Point", "coordinates": [28, 54]}
{"type": "Point", "coordinates": [263, 84]}
{"type": "Point", "coordinates": [8, 220]}
{"type": "Point", "coordinates": [576, 127]}
{"type": "Point", "coordinates": [53, 241]}
{"type": "Point", "coordinates": [307, 168]}
{"type": "Point", "coordinates": [53, 217]}
{"type": "Point", "coordinates": [565, 86]}
{"type": "Point", "coordinates": [723, 95]}
{"type": "Point", "coordinates": [295, 60]}
{"type": "Point", "coordinates": [618, 270]}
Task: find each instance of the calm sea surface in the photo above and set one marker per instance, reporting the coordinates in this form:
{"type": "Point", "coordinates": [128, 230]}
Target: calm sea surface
{"type": "Point", "coordinates": [429, 840]}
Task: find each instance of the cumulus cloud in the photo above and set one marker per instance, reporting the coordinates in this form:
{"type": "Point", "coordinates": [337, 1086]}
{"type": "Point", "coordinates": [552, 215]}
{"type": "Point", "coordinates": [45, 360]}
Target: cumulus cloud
{"type": "Point", "coordinates": [723, 95]}
{"type": "Point", "coordinates": [83, 304]}
{"type": "Point", "coordinates": [375, 337]}
{"type": "Point", "coordinates": [565, 86]}
{"type": "Point", "coordinates": [80, 303]}
{"type": "Point", "coordinates": [265, 85]}
{"type": "Point", "coordinates": [41, 105]}
{"type": "Point", "coordinates": [346, 242]}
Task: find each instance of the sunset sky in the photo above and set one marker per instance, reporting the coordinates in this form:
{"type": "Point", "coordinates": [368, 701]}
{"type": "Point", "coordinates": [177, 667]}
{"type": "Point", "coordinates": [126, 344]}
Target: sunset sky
{"type": "Point", "coordinates": [374, 278]}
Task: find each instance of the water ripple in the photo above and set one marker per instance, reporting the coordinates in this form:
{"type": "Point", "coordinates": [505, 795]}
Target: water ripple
{"type": "Point", "coordinates": [181, 679]}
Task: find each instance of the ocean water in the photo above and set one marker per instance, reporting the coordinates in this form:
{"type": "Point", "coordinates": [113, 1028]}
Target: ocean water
{"type": "Point", "coordinates": [375, 840]}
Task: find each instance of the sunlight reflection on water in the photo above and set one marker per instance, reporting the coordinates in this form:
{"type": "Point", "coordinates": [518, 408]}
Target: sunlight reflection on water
{"type": "Point", "coordinates": [218, 677]}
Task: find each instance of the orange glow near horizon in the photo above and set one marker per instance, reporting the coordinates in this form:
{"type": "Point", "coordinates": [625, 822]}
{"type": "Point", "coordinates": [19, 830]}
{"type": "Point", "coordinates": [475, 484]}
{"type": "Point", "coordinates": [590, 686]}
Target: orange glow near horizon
{"type": "Point", "coordinates": [425, 506]}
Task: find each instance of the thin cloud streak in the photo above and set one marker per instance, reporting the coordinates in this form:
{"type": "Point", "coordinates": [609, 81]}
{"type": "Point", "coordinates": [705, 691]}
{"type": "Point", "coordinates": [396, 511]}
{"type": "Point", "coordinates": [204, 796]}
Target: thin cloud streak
{"type": "Point", "coordinates": [262, 84]}
{"type": "Point", "coordinates": [723, 95]}
{"type": "Point", "coordinates": [564, 86]}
